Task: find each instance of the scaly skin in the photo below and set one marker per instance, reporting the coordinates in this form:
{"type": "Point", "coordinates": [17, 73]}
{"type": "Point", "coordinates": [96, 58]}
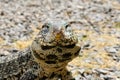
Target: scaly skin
{"type": "Point", "coordinates": [52, 49]}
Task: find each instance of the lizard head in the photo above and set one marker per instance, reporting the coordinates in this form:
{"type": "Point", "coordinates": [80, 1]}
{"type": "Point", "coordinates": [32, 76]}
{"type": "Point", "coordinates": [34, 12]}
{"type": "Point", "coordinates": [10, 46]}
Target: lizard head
{"type": "Point", "coordinates": [55, 43]}
{"type": "Point", "coordinates": [54, 33]}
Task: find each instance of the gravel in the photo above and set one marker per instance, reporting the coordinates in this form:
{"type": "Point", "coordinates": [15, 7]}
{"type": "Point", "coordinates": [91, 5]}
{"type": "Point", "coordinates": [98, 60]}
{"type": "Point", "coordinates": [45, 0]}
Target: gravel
{"type": "Point", "coordinates": [19, 17]}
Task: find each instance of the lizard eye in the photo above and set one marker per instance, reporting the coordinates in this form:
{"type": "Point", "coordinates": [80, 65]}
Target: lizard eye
{"type": "Point", "coordinates": [67, 25]}
{"type": "Point", "coordinates": [45, 28]}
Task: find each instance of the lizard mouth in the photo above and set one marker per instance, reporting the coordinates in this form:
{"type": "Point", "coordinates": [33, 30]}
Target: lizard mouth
{"type": "Point", "coordinates": [47, 47]}
{"type": "Point", "coordinates": [59, 40]}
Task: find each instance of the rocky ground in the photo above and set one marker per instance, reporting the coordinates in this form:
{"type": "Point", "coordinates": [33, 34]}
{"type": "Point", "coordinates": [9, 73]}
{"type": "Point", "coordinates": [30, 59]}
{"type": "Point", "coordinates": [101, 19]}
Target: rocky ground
{"type": "Point", "coordinates": [98, 31]}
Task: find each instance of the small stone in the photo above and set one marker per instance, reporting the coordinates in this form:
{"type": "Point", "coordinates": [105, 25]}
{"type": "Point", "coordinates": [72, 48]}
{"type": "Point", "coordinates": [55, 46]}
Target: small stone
{"type": "Point", "coordinates": [110, 49]}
